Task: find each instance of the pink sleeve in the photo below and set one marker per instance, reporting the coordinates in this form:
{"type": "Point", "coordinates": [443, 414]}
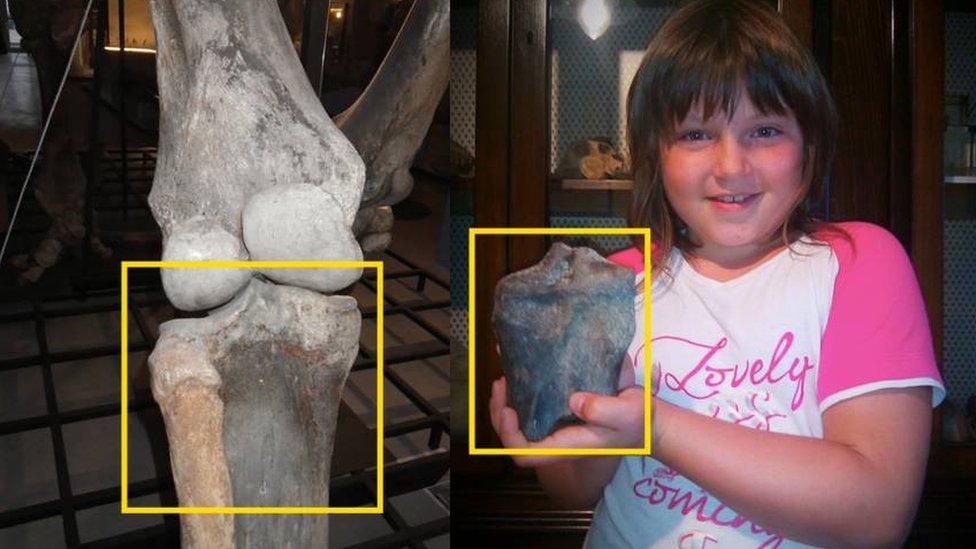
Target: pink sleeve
{"type": "Point", "coordinates": [632, 258]}
{"type": "Point", "coordinates": [877, 334]}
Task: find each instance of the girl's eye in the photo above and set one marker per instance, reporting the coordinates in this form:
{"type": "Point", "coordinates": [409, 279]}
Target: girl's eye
{"type": "Point", "coordinates": [694, 135]}
{"type": "Point", "coordinates": [766, 132]}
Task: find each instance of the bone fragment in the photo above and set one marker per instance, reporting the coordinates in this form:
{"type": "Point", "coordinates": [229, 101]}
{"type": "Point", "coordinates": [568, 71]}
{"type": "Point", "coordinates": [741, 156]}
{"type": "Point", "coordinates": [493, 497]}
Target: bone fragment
{"type": "Point", "coordinates": [238, 118]}
{"type": "Point", "coordinates": [563, 325]}
{"type": "Point", "coordinates": [250, 396]}
{"type": "Point", "coordinates": [388, 122]}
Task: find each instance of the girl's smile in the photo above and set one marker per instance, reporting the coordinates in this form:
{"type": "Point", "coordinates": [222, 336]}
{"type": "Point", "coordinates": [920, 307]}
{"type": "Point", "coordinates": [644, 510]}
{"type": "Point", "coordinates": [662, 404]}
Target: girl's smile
{"type": "Point", "coordinates": [734, 202]}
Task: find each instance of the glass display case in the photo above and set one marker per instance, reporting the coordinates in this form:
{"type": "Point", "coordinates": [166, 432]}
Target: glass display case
{"type": "Point", "coordinates": [959, 245]}
{"type": "Point", "coordinates": [595, 48]}
{"type": "Point", "coordinates": [463, 86]}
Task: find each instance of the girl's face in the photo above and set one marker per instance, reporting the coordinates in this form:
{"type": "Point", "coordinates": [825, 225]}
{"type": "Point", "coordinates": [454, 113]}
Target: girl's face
{"type": "Point", "coordinates": [733, 181]}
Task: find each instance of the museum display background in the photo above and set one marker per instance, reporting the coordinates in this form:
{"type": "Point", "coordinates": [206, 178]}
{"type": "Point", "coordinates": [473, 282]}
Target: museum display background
{"type": "Point", "coordinates": [59, 345]}
{"type": "Point", "coordinates": [885, 62]}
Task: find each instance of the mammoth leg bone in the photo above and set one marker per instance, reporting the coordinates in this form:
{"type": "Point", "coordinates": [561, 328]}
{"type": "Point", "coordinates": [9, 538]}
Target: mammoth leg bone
{"type": "Point", "coordinates": [250, 396]}
{"type": "Point", "coordinates": [388, 122]}
{"type": "Point", "coordinates": [250, 166]}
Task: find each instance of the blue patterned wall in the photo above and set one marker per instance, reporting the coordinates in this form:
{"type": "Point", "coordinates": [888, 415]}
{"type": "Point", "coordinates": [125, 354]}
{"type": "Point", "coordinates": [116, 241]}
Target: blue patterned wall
{"type": "Point", "coordinates": [459, 276]}
{"type": "Point", "coordinates": [464, 33]}
{"type": "Point", "coordinates": [590, 78]}
{"type": "Point", "coordinates": [605, 244]}
{"type": "Point", "coordinates": [959, 309]}
{"type": "Point", "coordinates": [959, 246]}
{"type": "Point", "coordinates": [960, 63]}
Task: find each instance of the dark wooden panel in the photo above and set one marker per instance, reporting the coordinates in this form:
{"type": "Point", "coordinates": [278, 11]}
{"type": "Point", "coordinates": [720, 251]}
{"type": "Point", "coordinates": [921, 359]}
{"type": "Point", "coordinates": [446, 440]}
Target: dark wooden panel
{"type": "Point", "coordinates": [860, 78]}
{"type": "Point", "coordinates": [491, 194]}
{"type": "Point", "coordinates": [961, 6]}
{"type": "Point", "coordinates": [512, 510]}
{"type": "Point", "coordinates": [947, 514]}
{"type": "Point", "coordinates": [799, 16]}
{"type": "Point", "coordinates": [529, 167]}
{"type": "Point", "coordinates": [960, 201]}
{"type": "Point", "coordinates": [927, 89]}
{"type": "Point", "coordinates": [900, 170]}
{"type": "Point", "coordinates": [491, 116]}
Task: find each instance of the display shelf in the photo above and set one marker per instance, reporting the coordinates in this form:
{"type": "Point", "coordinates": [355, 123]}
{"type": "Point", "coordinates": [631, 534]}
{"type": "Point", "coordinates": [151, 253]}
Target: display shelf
{"type": "Point", "coordinates": [595, 184]}
{"type": "Point", "coordinates": [590, 197]}
{"type": "Point", "coordinates": [960, 177]}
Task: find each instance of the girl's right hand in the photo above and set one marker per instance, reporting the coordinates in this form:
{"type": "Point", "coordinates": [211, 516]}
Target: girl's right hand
{"type": "Point", "coordinates": [608, 422]}
{"type": "Point", "coordinates": [505, 421]}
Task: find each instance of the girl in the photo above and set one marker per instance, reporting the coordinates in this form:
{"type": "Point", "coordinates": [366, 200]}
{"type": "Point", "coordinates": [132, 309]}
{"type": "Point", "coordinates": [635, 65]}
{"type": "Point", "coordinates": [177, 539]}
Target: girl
{"type": "Point", "coordinates": [793, 366]}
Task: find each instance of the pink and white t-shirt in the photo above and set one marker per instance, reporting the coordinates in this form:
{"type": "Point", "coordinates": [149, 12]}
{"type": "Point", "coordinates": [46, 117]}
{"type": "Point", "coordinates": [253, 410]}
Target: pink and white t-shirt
{"type": "Point", "coordinates": [771, 350]}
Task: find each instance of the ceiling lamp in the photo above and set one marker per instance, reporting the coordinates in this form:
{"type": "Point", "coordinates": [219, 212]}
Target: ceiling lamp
{"type": "Point", "coordinates": [594, 17]}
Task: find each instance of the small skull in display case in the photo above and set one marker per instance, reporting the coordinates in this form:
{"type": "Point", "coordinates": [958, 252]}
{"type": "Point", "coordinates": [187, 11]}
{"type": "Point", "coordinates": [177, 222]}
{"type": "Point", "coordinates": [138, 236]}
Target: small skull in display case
{"type": "Point", "coordinates": [594, 158]}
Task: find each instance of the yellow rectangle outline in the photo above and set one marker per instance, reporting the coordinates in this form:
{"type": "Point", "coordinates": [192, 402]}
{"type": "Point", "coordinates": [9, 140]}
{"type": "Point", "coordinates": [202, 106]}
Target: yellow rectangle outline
{"type": "Point", "coordinates": [472, 447]}
{"type": "Point", "coordinates": [233, 510]}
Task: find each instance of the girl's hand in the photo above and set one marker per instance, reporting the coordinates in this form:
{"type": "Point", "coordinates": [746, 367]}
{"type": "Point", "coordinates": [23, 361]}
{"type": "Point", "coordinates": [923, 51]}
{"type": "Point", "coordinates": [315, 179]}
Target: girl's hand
{"type": "Point", "coordinates": [611, 422]}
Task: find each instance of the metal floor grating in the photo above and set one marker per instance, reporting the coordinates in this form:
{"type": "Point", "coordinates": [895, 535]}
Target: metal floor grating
{"type": "Point", "coordinates": [82, 289]}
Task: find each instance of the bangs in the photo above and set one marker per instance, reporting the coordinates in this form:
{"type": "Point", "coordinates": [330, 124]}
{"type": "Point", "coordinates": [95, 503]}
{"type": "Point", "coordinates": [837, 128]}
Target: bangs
{"type": "Point", "coordinates": [709, 59]}
{"type": "Point", "coordinates": [714, 91]}
{"type": "Point", "coordinates": [715, 84]}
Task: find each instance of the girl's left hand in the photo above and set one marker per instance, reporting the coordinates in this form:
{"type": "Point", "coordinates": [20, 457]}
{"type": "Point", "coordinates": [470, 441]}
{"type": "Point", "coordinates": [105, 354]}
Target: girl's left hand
{"type": "Point", "coordinates": [610, 422]}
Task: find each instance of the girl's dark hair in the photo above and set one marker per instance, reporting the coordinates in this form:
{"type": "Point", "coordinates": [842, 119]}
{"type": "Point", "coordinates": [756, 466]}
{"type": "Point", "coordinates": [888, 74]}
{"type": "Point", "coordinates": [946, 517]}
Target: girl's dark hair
{"type": "Point", "coordinates": [707, 51]}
